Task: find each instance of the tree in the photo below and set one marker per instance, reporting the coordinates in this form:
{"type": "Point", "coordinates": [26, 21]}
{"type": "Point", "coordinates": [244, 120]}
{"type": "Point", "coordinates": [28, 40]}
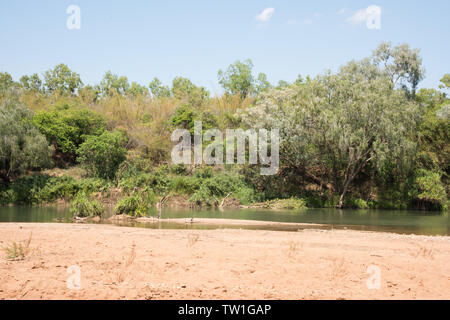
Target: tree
{"type": "Point", "coordinates": [262, 84]}
{"type": "Point", "coordinates": [6, 82]}
{"type": "Point", "coordinates": [283, 84]}
{"type": "Point", "coordinates": [238, 79]}
{"type": "Point", "coordinates": [102, 155]}
{"type": "Point", "coordinates": [62, 80]}
{"type": "Point", "coordinates": [112, 84]}
{"type": "Point", "coordinates": [137, 90]}
{"type": "Point", "coordinates": [89, 94]}
{"type": "Point", "coordinates": [445, 81]}
{"type": "Point", "coordinates": [184, 89]}
{"type": "Point", "coordinates": [158, 89]}
{"type": "Point", "coordinates": [402, 65]}
{"type": "Point", "coordinates": [66, 129]}
{"type": "Point", "coordinates": [335, 126]}
{"type": "Point", "coordinates": [31, 83]}
{"type": "Point", "coordinates": [22, 146]}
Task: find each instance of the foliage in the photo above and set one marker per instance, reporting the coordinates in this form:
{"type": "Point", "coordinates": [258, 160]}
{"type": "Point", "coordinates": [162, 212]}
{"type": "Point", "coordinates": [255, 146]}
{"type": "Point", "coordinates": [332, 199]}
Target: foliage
{"type": "Point", "coordinates": [335, 126]}
{"type": "Point", "coordinates": [361, 137]}
{"type": "Point", "coordinates": [184, 89]}
{"type": "Point", "coordinates": [430, 189]}
{"type": "Point", "coordinates": [401, 64]}
{"type": "Point", "coordinates": [22, 147]}
{"type": "Point", "coordinates": [112, 84]}
{"type": "Point", "coordinates": [102, 155]}
{"type": "Point", "coordinates": [211, 190]}
{"type": "Point", "coordinates": [62, 80]}
{"type": "Point", "coordinates": [185, 116]}
{"type": "Point", "coordinates": [18, 250]}
{"type": "Point", "coordinates": [136, 205]}
{"type": "Point", "coordinates": [238, 79]}
{"type": "Point", "coordinates": [43, 188]}
{"type": "Point", "coordinates": [82, 206]}
{"type": "Point", "coordinates": [158, 89]}
{"type": "Point", "coordinates": [67, 128]}
{"type": "Point", "coordinates": [286, 204]}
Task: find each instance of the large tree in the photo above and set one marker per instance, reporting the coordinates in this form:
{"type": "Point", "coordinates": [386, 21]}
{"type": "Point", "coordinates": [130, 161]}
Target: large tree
{"type": "Point", "coordinates": [238, 79]}
{"type": "Point", "coordinates": [62, 80]}
{"type": "Point", "coordinates": [336, 125]}
{"type": "Point", "coordinates": [401, 64]}
{"type": "Point", "coordinates": [22, 146]}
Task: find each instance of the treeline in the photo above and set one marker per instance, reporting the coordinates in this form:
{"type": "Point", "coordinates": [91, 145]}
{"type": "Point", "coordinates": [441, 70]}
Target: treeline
{"type": "Point", "coordinates": [362, 137]}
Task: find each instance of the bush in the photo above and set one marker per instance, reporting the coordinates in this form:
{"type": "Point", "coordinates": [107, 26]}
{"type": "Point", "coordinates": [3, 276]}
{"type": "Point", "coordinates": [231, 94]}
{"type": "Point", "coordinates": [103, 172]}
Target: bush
{"type": "Point", "coordinates": [136, 205]}
{"type": "Point", "coordinates": [102, 155]}
{"type": "Point", "coordinates": [211, 188]}
{"type": "Point", "coordinates": [82, 206]}
{"type": "Point", "coordinates": [22, 146]}
{"type": "Point", "coordinates": [26, 189]}
{"type": "Point", "coordinates": [66, 128]}
{"type": "Point", "coordinates": [429, 191]}
{"type": "Point", "coordinates": [64, 187]}
{"type": "Point", "coordinates": [356, 204]}
{"type": "Point", "coordinates": [288, 204]}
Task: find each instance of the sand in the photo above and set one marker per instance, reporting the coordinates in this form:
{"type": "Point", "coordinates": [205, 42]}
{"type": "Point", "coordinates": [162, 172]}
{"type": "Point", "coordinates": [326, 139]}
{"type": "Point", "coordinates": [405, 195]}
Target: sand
{"type": "Point", "coordinates": [137, 263]}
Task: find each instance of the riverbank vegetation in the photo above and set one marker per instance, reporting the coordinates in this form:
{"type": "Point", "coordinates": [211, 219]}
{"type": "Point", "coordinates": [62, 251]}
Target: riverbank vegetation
{"type": "Point", "coordinates": [363, 137]}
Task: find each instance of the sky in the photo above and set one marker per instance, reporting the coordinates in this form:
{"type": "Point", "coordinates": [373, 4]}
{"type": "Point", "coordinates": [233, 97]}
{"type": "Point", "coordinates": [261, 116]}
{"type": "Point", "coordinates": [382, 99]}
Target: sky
{"type": "Point", "coordinates": [194, 39]}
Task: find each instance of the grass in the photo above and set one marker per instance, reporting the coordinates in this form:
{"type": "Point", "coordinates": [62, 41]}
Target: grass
{"type": "Point", "coordinates": [122, 273]}
{"type": "Point", "coordinates": [17, 251]}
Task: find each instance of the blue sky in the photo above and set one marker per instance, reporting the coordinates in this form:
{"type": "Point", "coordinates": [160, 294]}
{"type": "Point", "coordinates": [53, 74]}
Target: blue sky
{"type": "Point", "coordinates": [194, 39]}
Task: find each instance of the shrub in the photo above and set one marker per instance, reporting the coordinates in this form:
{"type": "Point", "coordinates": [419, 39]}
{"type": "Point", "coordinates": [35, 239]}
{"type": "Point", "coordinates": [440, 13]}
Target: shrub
{"type": "Point", "coordinates": [64, 187]}
{"type": "Point", "coordinates": [66, 128]}
{"type": "Point", "coordinates": [429, 190]}
{"type": "Point", "coordinates": [22, 146]}
{"type": "Point", "coordinates": [291, 203]}
{"type": "Point", "coordinates": [82, 206]}
{"type": "Point", "coordinates": [102, 155]}
{"type": "Point", "coordinates": [26, 189]}
{"type": "Point", "coordinates": [356, 204]}
{"type": "Point", "coordinates": [136, 205]}
{"type": "Point", "coordinates": [211, 188]}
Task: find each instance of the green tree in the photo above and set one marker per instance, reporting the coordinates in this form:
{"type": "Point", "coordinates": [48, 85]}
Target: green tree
{"type": "Point", "coordinates": [238, 79]}
{"type": "Point", "coordinates": [112, 84]}
{"type": "Point", "coordinates": [445, 81]}
{"type": "Point", "coordinates": [429, 189]}
{"type": "Point", "coordinates": [22, 146]}
{"type": "Point", "coordinates": [102, 155]}
{"type": "Point", "coordinates": [137, 90]}
{"type": "Point", "coordinates": [184, 89]}
{"type": "Point", "coordinates": [62, 80]}
{"type": "Point", "coordinates": [337, 125]}
{"type": "Point", "coordinates": [262, 84]}
{"type": "Point", "coordinates": [158, 89]}
{"type": "Point", "coordinates": [402, 65]}
{"type": "Point", "coordinates": [66, 129]}
{"type": "Point", "coordinates": [32, 83]}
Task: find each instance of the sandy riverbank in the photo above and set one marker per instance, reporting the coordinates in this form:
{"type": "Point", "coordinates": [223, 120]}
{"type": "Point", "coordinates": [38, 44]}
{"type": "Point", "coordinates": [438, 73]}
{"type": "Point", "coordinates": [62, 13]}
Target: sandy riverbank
{"type": "Point", "coordinates": [136, 263]}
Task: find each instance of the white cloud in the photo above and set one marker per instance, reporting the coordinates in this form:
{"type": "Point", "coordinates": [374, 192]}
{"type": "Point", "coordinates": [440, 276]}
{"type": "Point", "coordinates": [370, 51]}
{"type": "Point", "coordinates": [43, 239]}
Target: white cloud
{"type": "Point", "coordinates": [265, 15]}
{"type": "Point", "coordinates": [342, 11]}
{"type": "Point", "coordinates": [362, 15]}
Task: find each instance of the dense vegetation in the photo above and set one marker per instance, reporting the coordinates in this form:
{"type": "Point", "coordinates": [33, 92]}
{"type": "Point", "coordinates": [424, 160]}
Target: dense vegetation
{"type": "Point", "coordinates": [363, 137]}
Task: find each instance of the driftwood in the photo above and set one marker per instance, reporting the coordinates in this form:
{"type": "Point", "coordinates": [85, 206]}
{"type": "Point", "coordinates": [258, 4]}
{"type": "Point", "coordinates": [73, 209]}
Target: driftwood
{"type": "Point", "coordinates": [223, 201]}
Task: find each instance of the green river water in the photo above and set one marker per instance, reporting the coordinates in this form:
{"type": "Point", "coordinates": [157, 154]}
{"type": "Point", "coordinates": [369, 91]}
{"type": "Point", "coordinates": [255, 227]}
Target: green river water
{"type": "Point", "coordinates": [405, 222]}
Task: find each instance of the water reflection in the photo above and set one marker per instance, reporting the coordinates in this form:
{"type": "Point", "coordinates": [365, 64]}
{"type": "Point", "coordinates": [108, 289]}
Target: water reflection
{"type": "Point", "coordinates": [428, 223]}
